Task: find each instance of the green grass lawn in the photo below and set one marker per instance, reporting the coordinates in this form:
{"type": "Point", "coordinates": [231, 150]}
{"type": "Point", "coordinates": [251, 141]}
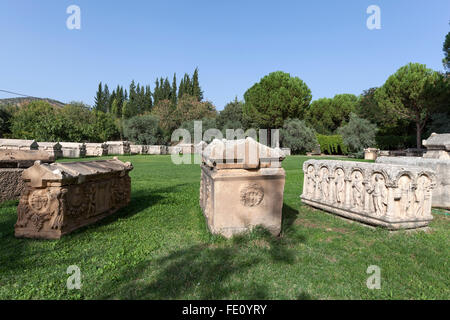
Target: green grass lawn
{"type": "Point", "coordinates": [159, 248]}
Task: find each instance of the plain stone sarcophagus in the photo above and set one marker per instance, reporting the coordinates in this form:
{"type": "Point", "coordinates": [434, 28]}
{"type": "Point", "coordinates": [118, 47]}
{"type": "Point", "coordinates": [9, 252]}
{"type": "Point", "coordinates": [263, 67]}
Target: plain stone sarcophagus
{"type": "Point", "coordinates": [242, 186]}
{"type": "Point", "coordinates": [96, 149]}
{"type": "Point", "coordinates": [438, 146]}
{"type": "Point", "coordinates": [371, 153]}
{"type": "Point", "coordinates": [61, 197]}
{"type": "Point", "coordinates": [156, 149]}
{"type": "Point", "coordinates": [118, 147]}
{"type": "Point", "coordinates": [287, 151]}
{"type": "Point", "coordinates": [18, 144]}
{"type": "Point", "coordinates": [52, 148]}
{"type": "Point", "coordinates": [390, 196]}
{"type": "Point", "coordinates": [441, 193]}
{"type": "Point", "coordinates": [138, 149]}
{"type": "Point", "coordinates": [12, 165]}
{"type": "Point", "coordinates": [73, 149]}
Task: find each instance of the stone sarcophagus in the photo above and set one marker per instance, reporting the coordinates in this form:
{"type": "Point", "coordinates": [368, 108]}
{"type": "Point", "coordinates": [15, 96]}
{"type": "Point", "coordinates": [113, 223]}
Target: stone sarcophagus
{"type": "Point", "coordinates": [118, 147]}
{"type": "Point", "coordinates": [138, 149]}
{"type": "Point", "coordinates": [154, 149]}
{"type": "Point", "coordinates": [52, 148]}
{"type": "Point", "coordinates": [12, 165]}
{"type": "Point", "coordinates": [242, 184]}
{"type": "Point", "coordinates": [18, 144]}
{"type": "Point", "coordinates": [438, 146]}
{"type": "Point", "coordinates": [441, 193]}
{"type": "Point", "coordinates": [96, 149]}
{"type": "Point", "coordinates": [61, 197]}
{"type": "Point", "coordinates": [73, 149]}
{"type": "Point", "coordinates": [390, 196]}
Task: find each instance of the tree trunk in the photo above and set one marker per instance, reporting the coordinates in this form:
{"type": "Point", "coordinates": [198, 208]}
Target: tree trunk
{"type": "Point", "coordinates": [418, 135]}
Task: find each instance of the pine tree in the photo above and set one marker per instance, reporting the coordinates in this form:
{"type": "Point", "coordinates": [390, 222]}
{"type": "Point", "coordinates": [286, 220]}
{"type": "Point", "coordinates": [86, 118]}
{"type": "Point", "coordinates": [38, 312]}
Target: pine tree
{"type": "Point", "coordinates": [99, 98]}
{"type": "Point", "coordinates": [196, 90]}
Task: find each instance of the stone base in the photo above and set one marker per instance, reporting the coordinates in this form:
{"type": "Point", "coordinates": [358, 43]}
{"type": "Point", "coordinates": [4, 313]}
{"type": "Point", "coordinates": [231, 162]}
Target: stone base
{"type": "Point", "coordinates": [382, 221]}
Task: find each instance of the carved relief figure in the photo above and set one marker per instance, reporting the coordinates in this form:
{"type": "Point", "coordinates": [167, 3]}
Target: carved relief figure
{"type": "Point", "coordinates": [406, 191]}
{"type": "Point", "coordinates": [421, 194]}
{"type": "Point", "coordinates": [324, 184]}
{"type": "Point", "coordinates": [311, 178]}
{"type": "Point", "coordinates": [378, 192]}
{"type": "Point", "coordinates": [340, 186]}
{"type": "Point", "coordinates": [357, 189]}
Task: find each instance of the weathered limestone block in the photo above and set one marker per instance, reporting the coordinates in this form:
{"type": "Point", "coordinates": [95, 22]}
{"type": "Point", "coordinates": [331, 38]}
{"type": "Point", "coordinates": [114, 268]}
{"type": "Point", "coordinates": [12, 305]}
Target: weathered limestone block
{"type": "Point", "coordinates": [174, 150]}
{"type": "Point", "coordinates": [61, 197]}
{"type": "Point", "coordinates": [12, 165]}
{"type": "Point", "coordinates": [438, 146]}
{"type": "Point", "coordinates": [73, 149]}
{"type": "Point", "coordinates": [390, 196]}
{"type": "Point", "coordinates": [118, 147]}
{"type": "Point", "coordinates": [200, 147]}
{"type": "Point", "coordinates": [96, 149]}
{"type": "Point", "coordinates": [17, 144]}
{"type": "Point", "coordinates": [138, 149]}
{"type": "Point", "coordinates": [370, 153]}
{"type": "Point", "coordinates": [156, 149]}
{"type": "Point", "coordinates": [186, 148]}
{"type": "Point", "coordinates": [242, 184]}
{"type": "Point", "coordinates": [441, 193]}
{"type": "Point", "coordinates": [287, 151]}
{"type": "Point", "coordinates": [52, 148]}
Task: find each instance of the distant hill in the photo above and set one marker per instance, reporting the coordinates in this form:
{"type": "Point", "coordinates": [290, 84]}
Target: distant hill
{"type": "Point", "coordinates": [19, 102]}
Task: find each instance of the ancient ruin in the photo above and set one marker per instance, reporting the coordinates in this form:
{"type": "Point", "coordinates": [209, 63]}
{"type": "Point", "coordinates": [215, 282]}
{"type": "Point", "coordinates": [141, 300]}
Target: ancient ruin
{"type": "Point", "coordinates": [96, 149]}
{"type": "Point", "coordinates": [61, 197]}
{"type": "Point", "coordinates": [12, 165]}
{"type": "Point", "coordinates": [54, 149]}
{"type": "Point", "coordinates": [138, 149]}
{"type": "Point", "coordinates": [242, 184]}
{"type": "Point", "coordinates": [371, 153]}
{"type": "Point", "coordinates": [18, 144]}
{"type": "Point", "coordinates": [118, 147]}
{"type": "Point", "coordinates": [156, 149]}
{"type": "Point", "coordinates": [390, 196]}
{"type": "Point", "coordinates": [287, 151]}
{"type": "Point", "coordinates": [441, 193]}
{"type": "Point", "coordinates": [438, 146]}
{"type": "Point", "coordinates": [73, 149]}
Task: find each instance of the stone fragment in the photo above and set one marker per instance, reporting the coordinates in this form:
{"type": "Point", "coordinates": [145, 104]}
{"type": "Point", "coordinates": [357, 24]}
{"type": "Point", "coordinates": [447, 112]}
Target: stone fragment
{"type": "Point", "coordinates": [438, 146]}
{"type": "Point", "coordinates": [390, 196]}
{"type": "Point", "coordinates": [287, 151]}
{"type": "Point", "coordinates": [441, 193]}
{"type": "Point", "coordinates": [156, 150]}
{"type": "Point", "coordinates": [52, 148]}
{"type": "Point", "coordinates": [242, 186]}
{"type": "Point", "coordinates": [138, 149]}
{"type": "Point", "coordinates": [12, 165]}
{"type": "Point", "coordinates": [96, 149]}
{"type": "Point", "coordinates": [61, 197]}
{"type": "Point", "coordinates": [18, 144]}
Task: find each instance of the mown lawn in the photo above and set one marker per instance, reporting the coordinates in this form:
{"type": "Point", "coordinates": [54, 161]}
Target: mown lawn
{"type": "Point", "coordinates": [159, 248]}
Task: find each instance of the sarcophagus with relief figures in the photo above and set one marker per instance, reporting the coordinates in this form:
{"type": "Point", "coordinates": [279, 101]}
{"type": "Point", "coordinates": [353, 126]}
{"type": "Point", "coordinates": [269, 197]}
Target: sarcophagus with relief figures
{"type": "Point", "coordinates": [386, 195]}
{"type": "Point", "coordinates": [61, 197]}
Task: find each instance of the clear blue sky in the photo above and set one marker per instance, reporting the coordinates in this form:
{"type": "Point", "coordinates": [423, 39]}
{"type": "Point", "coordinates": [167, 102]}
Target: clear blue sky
{"type": "Point", "coordinates": [233, 43]}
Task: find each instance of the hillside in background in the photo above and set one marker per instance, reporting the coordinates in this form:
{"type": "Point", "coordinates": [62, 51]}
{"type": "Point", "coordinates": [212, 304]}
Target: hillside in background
{"type": "Point", "coordinates": [23, 101]}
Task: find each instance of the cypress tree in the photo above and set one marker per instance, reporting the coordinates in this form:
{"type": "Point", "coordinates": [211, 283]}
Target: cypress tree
{"type": "Point", "coordinates": [174, 89]}
{"type": "Point", "coordinates": [196, 90]}
{"type": "Point", "coordinates": [99, 98]}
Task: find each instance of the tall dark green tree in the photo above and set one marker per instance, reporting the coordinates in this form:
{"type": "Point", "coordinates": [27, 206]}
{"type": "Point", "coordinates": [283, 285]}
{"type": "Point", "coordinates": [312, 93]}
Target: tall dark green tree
{"type": "Point", "coordinates": [446, 49]}
{"type": "Point", "coordinates": [99, 103]}
{"type": "Point", "coordinates": [173, 94]}
{"type": "Point", "coordinates": [196, 90]}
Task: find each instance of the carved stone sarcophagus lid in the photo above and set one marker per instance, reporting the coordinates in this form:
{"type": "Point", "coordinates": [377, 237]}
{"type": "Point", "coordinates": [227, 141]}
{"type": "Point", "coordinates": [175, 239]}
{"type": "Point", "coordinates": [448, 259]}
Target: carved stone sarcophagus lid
{"type": "Point", "coordinates": [96, 149]}
{"type": "Point", "coordinates": [438, 146]}
{"type": "Point", "coordinates": [242, 186]}
{"type": "Point", "coordinates": [12, 165]}
{"type": "Point", "coordinates": [52, 148]}
{"type": "Point", "coordinates": [18, 144]}
{"type": "Point", "coordinates": [386, 195]}
{"type": "Point", "coordinates": [61, 197]}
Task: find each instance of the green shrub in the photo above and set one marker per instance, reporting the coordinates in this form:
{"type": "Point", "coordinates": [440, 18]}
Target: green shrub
{"type": "Point", "coordinates": [143, 130]}
{"type": "Point", "coordinates": [297, 136]}
{"type": "Point", "coordinates": [332, 144]}
{"type": "Point", "coordinates": [394, 142]}
{"type": "Point", "coordinates": [358, 134]}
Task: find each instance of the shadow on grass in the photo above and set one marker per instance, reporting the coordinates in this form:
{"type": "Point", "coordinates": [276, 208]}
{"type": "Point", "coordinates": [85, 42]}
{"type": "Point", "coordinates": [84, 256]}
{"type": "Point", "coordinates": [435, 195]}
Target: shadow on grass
{"type": "Point", "coordinates": [208, 271]}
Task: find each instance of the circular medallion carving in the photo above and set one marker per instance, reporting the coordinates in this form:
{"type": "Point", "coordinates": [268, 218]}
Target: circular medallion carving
{"type": "Point", "coordinates": [252, 195]}
{"type": "Point", "coordinates": [38, 200]}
